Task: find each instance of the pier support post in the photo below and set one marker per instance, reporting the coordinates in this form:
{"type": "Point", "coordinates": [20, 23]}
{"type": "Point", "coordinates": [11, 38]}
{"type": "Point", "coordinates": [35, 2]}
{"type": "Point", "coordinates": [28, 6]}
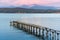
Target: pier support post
{"type": "Point", "coordinates": [39, 32]}
{"type": "Point", "coordinates": [52, 35]}
{"type": "Point", "coordinates": [22, 26]}
{"type": "Point", "coordinates": [46, 34]}
{"type": "Point", "coordinates": [18, 25]}
{"type": "Point", "coordinates": [36, 31]}
{"type": "Point", "coordinates": [31, 29]}
{"type": "Point", "coordinates": [57, 36]}
{"type": "Point", "coordinates": [26, 28]}
{"type": "Point", "coordinates": [43, 33]}
{"type": "Point", "coordinates": [11, 23]}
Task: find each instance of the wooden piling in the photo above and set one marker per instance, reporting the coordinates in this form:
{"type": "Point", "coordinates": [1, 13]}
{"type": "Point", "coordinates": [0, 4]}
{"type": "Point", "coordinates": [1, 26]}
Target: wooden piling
{"type": "Point", "coordinates": [46, 33]}
{"type": "Point", "coordinates": [52, 35]}
{"type": "Point", "coordinates": [29, 28]}
{"type": "Point", "coordinates": [36, 31]}
{"type": "Point", "coordinates": [33, 30]}
{"type": "Point", "coordinates": [43, 33]}
{"type": "Point", "coordinates": [39, 32]}
{"type": "Point", "coordinates": [57, 36]}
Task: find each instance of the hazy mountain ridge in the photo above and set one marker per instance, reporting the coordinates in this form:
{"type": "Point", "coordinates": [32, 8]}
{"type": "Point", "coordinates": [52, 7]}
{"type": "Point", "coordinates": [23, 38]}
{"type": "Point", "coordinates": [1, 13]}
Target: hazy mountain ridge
{"type": "Point", "coordinates": [30, 9]}
{"type": "Point", "coordinates": [24, 10]}
{"type": "Point", "coordinates": [35, 6]}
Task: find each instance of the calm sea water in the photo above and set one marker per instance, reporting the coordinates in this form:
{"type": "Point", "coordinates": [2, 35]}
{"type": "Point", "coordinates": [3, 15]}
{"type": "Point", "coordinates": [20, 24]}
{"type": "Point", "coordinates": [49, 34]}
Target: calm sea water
{"type": "Point", "coordinates": [7, 32]}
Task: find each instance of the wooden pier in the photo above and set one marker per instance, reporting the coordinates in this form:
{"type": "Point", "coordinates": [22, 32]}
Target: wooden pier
{"type": "Point", "coordinates": [39, 31]}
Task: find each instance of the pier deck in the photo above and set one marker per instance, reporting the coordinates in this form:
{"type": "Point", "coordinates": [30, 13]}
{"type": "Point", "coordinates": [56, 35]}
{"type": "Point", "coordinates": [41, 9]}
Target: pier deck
{"type": "Point", "coordinates": [39, 31]}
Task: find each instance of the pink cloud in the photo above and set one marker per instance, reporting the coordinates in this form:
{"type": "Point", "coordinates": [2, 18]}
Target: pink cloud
{"type": "Point", "coordinates": [40, 2]}
{"type": "Point", "coordinates": [28, 2]}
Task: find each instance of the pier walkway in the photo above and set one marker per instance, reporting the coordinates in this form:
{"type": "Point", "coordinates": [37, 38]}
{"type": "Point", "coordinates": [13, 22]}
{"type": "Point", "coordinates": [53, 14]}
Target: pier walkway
{"type": "Point", "coordinates": [42, 32]}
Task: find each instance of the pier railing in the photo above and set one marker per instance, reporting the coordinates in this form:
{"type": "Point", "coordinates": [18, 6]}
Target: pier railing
{"type": "Point", "coordinates": [39, 31]}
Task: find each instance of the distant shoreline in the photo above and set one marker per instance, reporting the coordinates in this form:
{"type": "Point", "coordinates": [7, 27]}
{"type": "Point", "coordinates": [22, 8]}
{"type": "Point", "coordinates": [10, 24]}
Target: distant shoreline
{"type": "Point", "coordinates": [24, 10]}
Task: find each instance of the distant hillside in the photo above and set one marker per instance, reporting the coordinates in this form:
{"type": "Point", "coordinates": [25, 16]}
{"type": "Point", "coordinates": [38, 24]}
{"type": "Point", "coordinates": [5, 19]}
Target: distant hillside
{"type": "Point", "coordinates": [35, 6]}
{"type": "Point", "coordinates": [42, 7]}
{"type": "Point", "coordinates": [25, 10]}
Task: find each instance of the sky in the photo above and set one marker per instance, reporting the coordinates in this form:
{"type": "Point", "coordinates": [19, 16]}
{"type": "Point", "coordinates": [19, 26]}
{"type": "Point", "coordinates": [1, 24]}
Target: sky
{"type": "Point", "coordinates": [4, 3]}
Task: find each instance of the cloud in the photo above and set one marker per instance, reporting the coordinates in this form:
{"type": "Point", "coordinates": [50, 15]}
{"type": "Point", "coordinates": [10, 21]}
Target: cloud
{"type": "Point", "coordinates": [28, 2]}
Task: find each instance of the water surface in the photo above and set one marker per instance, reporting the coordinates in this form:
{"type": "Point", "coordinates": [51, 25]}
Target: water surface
{"type": "Point", "coordinates": [8, 32]}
